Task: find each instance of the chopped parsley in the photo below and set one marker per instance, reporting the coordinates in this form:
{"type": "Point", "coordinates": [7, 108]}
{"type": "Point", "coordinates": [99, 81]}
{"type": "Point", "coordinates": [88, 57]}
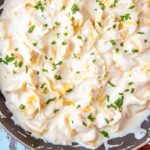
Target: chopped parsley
{"type": "Point", "coordinates": [114, 4]}
{"type": "Point", "coordinates": [20, 64]}
{"type": "Point", "coordinates": [44, 88]}
{"type": "Point", "coordinates": [72, 18]}
{"type": "Point", "coordinates": [64, 43]}
{"type": "Point", "coordinates": [7, 59]}
{"type": "Point", "coordinates": [39, 6]}
{"type": "Point", "coordinates": [79, 37]}
{"type": "Point", "coordinates": [101, 4]}
{"type": "Point", "coordinates": [69, 90]}
{"type": "Point", "coordinates": [54, 65]}
{"type": "Point", "coordinates": [94, 61]}
{"type": "Point", "coordinates": [127, 90]}
{"type": "Point", "coordinates": [50, 100]}
{"type": "Point", "coordinates": [44, 70]}
{"type": "Point", "coordinates": [16, 49]}
{"type": "Point", "coordinates": [26, 68]}
{"type": "Point", "coordinates": [46, 57]}
{"type": "Point", "coordinates": [84, 123]}
{"type": "Point", "coordinates": [117, 50]}
{"type": "Point", "coordinates": [121, 44]}
{"type": "Point", "coordinates": [58, 35]}
{"type": "Point", "coordinates": [117, 105]}
{"type": "Point", "coordinates": [78, 106]}
{"type": "Point", "coordinates": [119, 102]}
{"type": "Point", "coordinates": [22, 106]}
{"type": "Point", "coordinates": [111, 84]}
{"type": "Point", "coordinates": [14, 72]}
{"type": "Point", "coordinates": [135, 50]}
{"type": "Point", "coordinates": [108, 97]}
{"type": "Point", "coordinates": [131, 7]}
{"type": "Point", "coordinates": [53, 42]}
{"type": "Point", "coordinates": [100, 25]}
{"type": "Point", "coordinates": [43, 85]}
{"type": "Point", "coordinates": [35, 44]}
{"type": "Point", "coordinates": [130, 83]}
{"type": "Point", "coordinates": [63, 7]}
{"type": "Point", "coordinates": [58, 77]}
{"type": "Point", "coordinates": [57, 23]}
{"type": "Point", "coordinates": [106, 120]}
{"type": "Point", "coordinates": [113, 42]}
{"type": "Point", "coordinates": [31, 29]}
{"type": "Point", "coordinates": [65, 34]}
{"type": "Point", "coordinates": [105, 134]}
{"type": "Point", "coordinates": [77, 72]}
{"type": "Point", "coordinates": [75, 56]}
{"type": "Point", "coordinates": [114, 26]}
{"type": "Point", "coordinates": [91, 117]}
{"type": "Point", "coordinates": [74, 8]}
{"type": "Point", "coordinates": [125, 17]}
{"type": "Point", "coordinates": [140, 32]}
{"type": "Point", "coordinates": [45, 25]}
{"type": "Point", "coordinates": [132, 90]}
{"type": "Point", "coordinates": [111, 106]}
{"type": "Point", "coordinates": [56, 110]}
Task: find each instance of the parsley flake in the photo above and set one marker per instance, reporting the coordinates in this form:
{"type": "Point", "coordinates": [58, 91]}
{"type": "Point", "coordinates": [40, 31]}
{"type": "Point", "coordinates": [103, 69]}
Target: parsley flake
{"type": "Point", "coordinates": [22, 106]}
{"type": "Point", "coordinates": [31, 29]}
{"type": "Point", "coordinates": [50, 100]}
{"type": "Point", "coordinates": [74, 8]}
{"type": "Point", "coordinates": [105, 134]}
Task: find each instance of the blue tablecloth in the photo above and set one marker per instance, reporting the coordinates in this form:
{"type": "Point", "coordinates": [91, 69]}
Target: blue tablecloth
{"type": "Point", "coordinates": [9, 143]}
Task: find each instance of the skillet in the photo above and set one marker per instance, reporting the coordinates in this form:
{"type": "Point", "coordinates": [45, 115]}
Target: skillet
{"type": "Point", "coordinates": [126, 142]}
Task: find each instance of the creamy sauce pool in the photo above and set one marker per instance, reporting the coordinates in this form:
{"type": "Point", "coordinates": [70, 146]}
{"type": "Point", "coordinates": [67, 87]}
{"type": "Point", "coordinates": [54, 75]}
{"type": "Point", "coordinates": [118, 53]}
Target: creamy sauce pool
{"type": "Point", "coordinates": [76, 71]}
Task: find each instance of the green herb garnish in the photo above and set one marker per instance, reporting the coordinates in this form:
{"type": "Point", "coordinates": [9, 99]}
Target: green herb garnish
{"type": "Point", "coordinates": [64, 43]}
{"type": "Point", "coordinates": [50, 100]}
{"type": "Point", "coordinates": [26, 68]}
{"type": "Point", "coordinates": [84, 123]}
{"type": "Point", "coordinates": [130, 83]}
{"type": "Point", "coordinates": [105, 134]}
{"type": "Point", "coordinates": [54, 65]}
{"type": "Point", "coordinates": [113, 42]}
{"type": "Point", "coordinates": [31, 29]}
{"type": "Point", "coordinates": [125, 17]}
{"type": "Point", "coordinates": [91, 117]}
{"type": "Point", "coordinates": [74, 8]}
{"type": "Point", "coordinates": [39, 6]}
{"type": "Point", "coordinates": [135, 51]}
{"type": "Point", "coordinates": [119, 102]}
{"type": "Point", "coordinates": [114, 4]}
{"type": "Point", "coordinates": [79, 37]}
{"type": "Point", "coordinates": [53, 42]}
{"type": "Point", "coordinates": [111, 84]}
{"type": "Point", "coordinates": [101, 4]}
{"type": "Point", "coordinates": [106, 120]}
{"type": "Point", "coordinates": [22, 106]}
{"type": "Point", "coordinates": [58, 77]}
{"type": "Point", "coordinates": [69, 90]}
{"type": "Point", "coordinates": [78, 106]}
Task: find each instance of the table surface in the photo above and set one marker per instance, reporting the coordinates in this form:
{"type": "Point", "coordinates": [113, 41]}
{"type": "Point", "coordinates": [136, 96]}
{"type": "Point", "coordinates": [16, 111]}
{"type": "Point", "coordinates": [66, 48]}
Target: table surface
{"type": "Point", "coordinates": [8, 143]}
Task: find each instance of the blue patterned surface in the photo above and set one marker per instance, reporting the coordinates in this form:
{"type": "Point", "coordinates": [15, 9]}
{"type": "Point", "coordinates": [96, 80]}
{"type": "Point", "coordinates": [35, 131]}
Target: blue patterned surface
{"type": "Point", "coordinates": [8, 143]}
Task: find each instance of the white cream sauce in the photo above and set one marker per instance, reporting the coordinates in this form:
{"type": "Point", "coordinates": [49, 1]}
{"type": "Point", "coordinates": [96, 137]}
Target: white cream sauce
{"type": "Point", "coordinates": [76, 71]}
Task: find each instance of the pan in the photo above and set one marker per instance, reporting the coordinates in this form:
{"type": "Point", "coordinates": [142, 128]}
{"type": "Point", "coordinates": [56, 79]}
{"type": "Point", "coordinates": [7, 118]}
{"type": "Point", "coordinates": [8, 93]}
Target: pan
{"type": "Point", "coordinates": [127, 142]}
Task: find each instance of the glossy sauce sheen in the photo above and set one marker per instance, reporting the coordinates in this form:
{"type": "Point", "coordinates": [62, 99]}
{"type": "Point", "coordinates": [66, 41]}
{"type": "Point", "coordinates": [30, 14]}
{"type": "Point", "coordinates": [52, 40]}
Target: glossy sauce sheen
{"type": "Point", "coordinates": [76, 71]}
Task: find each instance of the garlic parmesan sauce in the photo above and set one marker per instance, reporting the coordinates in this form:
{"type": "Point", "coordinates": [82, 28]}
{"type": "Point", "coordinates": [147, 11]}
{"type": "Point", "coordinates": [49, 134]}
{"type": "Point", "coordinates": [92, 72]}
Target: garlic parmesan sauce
{"type": "Point", "coordinates": [76, 70]}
